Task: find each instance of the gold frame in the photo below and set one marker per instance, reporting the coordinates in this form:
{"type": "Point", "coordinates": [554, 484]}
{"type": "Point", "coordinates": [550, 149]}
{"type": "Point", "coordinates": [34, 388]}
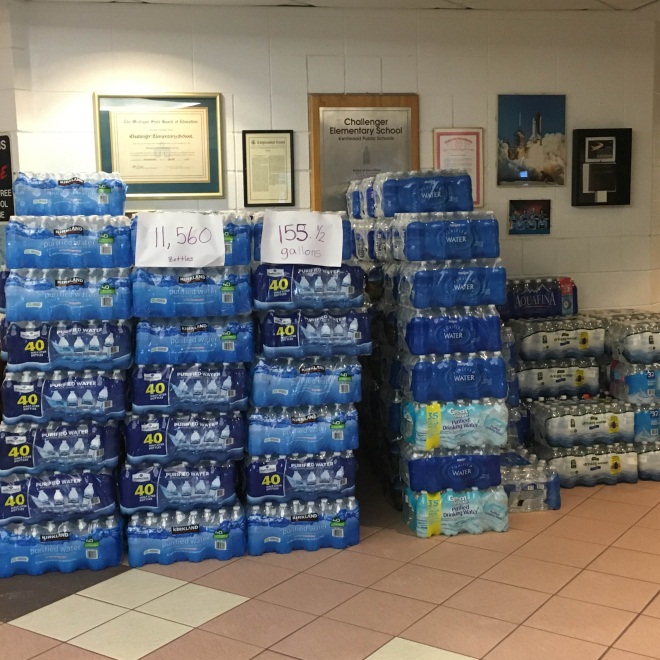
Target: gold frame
{"type": "Point", "coordinates": [97, 96]}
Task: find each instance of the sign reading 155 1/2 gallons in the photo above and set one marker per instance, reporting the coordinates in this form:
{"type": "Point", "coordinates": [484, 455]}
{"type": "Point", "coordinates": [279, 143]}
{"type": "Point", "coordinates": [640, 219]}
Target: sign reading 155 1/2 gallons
{"type": "Point", "coordinates": [6, 195]}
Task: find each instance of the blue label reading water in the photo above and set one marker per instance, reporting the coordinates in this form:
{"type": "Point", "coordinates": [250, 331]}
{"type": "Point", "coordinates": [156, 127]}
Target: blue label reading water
{"type": "Point", "coordinates": [460, 472]}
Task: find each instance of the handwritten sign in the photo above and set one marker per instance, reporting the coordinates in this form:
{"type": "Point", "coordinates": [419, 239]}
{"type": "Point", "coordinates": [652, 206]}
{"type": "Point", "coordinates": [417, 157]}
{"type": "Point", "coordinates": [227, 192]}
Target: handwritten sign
{"type": "Point", "coordinates": [302, 237]}
{"type": "Point", "coordinates": [179, 240]}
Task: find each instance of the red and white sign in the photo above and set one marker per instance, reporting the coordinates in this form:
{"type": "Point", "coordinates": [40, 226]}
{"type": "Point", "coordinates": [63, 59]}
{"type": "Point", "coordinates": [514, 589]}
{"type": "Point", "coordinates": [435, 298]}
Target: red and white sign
{"type": "Point", "coordinates": [461, 149]}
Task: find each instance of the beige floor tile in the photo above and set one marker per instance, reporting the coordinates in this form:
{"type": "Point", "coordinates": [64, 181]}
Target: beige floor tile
{"type": "Point", "coordinates": [130, 636]}
{"type": "Point", "coordinates": [132, 588]}
{"type": "Point", "coordinates": [460, 559]}
{"type": "Point", "coordinates": [460, 632]}
{"type": "Point", "coordinates": [628, 563]}
{"type": "Point", "coordinates": [200, 645]}
{"type": "Point", "coordinates": [561, 551]}
{"type": "Point", "coordinates": [325, 639]}
{"type": "Point", "coordinates": [573, 618]}
{"type": "Point", "coordinates": [246, 578]}
{"type": "Point", "coordinates": [68, 617]}
{"type": "Point", "coordinates": [392, 545]}
{"type": "Point", "coordinates": [405, 649]}
{"type": "Point", "coordinates": [531, 574]}
{"type": "Point", "coordinates": [641, 539]}
{"type": "Point", "coordinates": [192, 605]}
{"type": "Point", "coordinates": [642, 637]}
{"type": "Point", "coordinates": [530, 644]}
{"type": "Point", "coordinates": [610, 511]}
{"type": "Point", "coordinates": [610, 590]}
{"type": "Point", "coordinates": [23, 643]}
{"type": "Point", "coordinates": [381, 611]}
{"type": "Point", "coordinates": [355, 568]}
{"type": "Point", "coordinates": [585, 529]}
{"type": "Point", "coordinates": [496, 541]}
{"type": "Point", "coordinates": [500, 601]}
{"type": "Point", "coordinates": [428, 584]}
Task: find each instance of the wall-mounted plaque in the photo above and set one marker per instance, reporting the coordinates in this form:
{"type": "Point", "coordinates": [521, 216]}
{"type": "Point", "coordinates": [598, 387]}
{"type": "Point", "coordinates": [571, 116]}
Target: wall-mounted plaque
{"type": "Point", "coordinates": [461, 149]}
{"type": "Point", "coordinates": [268, 168]}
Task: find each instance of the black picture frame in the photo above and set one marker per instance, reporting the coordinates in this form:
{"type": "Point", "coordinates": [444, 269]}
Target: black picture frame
{"type": "Point", "coordinates": [602, 160]}
{"type": "Point", "coordinates": [277, 146]}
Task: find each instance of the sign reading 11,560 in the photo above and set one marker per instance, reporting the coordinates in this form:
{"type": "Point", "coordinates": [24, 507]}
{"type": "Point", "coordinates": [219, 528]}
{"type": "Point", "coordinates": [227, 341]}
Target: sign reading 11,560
{"type": "Point", "coordinates": [302, 237]}
{"type": "Point", "coordinates": [179, 240]}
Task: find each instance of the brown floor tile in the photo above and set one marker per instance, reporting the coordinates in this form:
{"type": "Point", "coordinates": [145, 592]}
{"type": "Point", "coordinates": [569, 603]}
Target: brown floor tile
{"type": "Point", "coordinates": [583, 491]}
{"type": "Point", "coordinates": [325, 639]}
{"type": "Point", "coordinates": [610, 511]}
{"type": "Point", "coordinates": [355, 568]}
{"type": "Point", "coordinates": [561, 551]}
{"type": "Point", "coordinates": [573, 618]}
{"type": "Point", "coordinates": [628, 563]}
{"type": "Point", "coordinates": [641, 539]}
{"type": "Point", "coordinates": [392, 545]}
{"type": "Point", "coordinates": [569, 501]}
{"type": "Point", "coordinates": [500, 601]}
{"type": "Point", "coordinates": [618, 654]}
{"type": "Point", "coordinates": [642, 637]}
{"type": "Point", "coordinates": [531, 574]}
{"type": "Point", "coordinates": [427, 584]}
{"type": "Point", "coordinates": [536, 522]}
{"type": "Point", "coordinates": [377, 610]}
{"type": "Point", "coordinates": [530, 644]}
{"type": "Point", "coordinates": [496, 541]}
{"type": "Point", "coordinates": [585, 529]}
{"type": "Point", "coordinates": [188, 571]}
{"type": "Point", "coordinates": [246, 578]}
{"type": "Point", "coordinates": [366, 531]}
{"type": "Point", "coordinates": [23, 643]}
{"type": "Point", "coordinates": [460, 559]}
{"type": "Point", "coordinates": [610, 590]}
{"type": "Point", "coordinates": [298, 560]}
{"type": "Point", "coordinates": [69, 652]}
{"type": "Point", "coordinates": [310, 593]}
{"type": "Point", "coordinates": [654, 608]}
{"type": "Point", "coordinates": [271, 655]}
{"type": "Point", "coordinates": [199, 645]}
{"type": "Point", "coordinates": [651, 519]}
{"type": "Point", "coordinates": [629, 494]}
{"type": "Point", "coordinates": [460, 632]}
{"type": "Point", "coordinates": [274, 623]}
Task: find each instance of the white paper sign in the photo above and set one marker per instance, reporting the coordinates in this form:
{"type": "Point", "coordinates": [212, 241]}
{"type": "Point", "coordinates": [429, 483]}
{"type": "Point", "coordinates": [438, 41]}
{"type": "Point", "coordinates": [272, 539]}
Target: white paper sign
{"type": "Point", "coordinates": [179, 240]}
{"type": "Point", "coordinates": [302, 237]}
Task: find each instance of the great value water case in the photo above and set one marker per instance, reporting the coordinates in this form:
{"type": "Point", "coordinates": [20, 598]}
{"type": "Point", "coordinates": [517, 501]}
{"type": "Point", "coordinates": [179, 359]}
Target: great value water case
{"type": "Point", "coordinates": [299, 476]}
{"type": "Point", "coordinates": [458, 469]}
{"type": "Point", "coordinates": [66, 241]}
{"type": "Point", "coordinates": [302, 429]}
{"type": "Point", "coordinates": [65, 547]}
{"type": "Point", "coordinates": [317, 381]}
{"type": "Point", "coordinates": [99, 193]}
{"type": "Point", "coordinates": [186, 340]}
{"type": "Point", "coordinates": [56, 496]}
{"type": "Point", "coordinates": [302, 333]}
{"type": "Point", "coordinates": [190, 388]}
{"type": "Point", "coordinates": [347, 242]}
{"type": "Point", "coordinates": [450, 283]}
{"type": "Point", "coordinates": [68, 294]}
{"type": "Point", "coordinates": [307, 287]}
{"type": "Point", "coordinates": [303, 526]}
{"type": "Point", "coordinates": [532, 488]}
{"type": "Point", "coordinates": [186, 536]}
{"type": "Point", "coordinates": [182, 486]}
{"type": "Point", "coordinates": [35, 448]}
{"type": "Point", "coordinates": [424, 191]}
{"type": "Point", "coordinates": [47, 346]}
{"type": "Point", "coordinates": [476, 424]}
{"type": "Point", "coordinates": [430, 378]}
{"type": "Point", "coordinates": [571, 377]}
{"type": "Point", "coordinates": [171, 292]}
{"type": "Point", "coordinates": [71, 396]}
{"type": "Point", "coordinates": [451, 512]}
{"type": "Point", "coordinates": [457, 330]}
{"type": "Point", "coordinates": [189, 437]}
{"type": "Point", "coordinates": [237, 228]}
{"type": "Point", "coordinates": [353, 199]}
{"type": "Point", "coordinates": [534, 298]}
{"type": "Point", "coordinates": [559, 338]}
{"type": "Point", "coordinates": [439, 236]}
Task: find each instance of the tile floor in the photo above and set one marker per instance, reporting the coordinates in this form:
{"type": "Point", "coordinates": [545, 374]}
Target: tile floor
{"type": "Point", "coordinates": [581, 583]}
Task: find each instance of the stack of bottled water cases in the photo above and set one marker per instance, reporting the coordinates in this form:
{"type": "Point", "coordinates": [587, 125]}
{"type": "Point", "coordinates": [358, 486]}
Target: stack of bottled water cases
{"type": "Point", "coordinates": [67, 340]}
{"type": "Point", "coordinates": [444, 376]}
{"type": "Point", "coordinates": [187, 429]}
{"type": "Point", "coordinates": [300, 471]}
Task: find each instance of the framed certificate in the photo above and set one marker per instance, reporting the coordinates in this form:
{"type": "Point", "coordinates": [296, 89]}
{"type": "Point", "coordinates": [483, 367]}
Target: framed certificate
{"type": "Point", "coordinates": [461, 149]}
{"type": "Point", "coordinates": [268, 168]}
{"type": "Point", "coordinates": [164, 146]}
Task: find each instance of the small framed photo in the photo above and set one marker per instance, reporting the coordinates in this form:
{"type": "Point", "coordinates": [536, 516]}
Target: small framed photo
{"type": "Point", "coordinates": [600, 149]}
{"type": "Point", "coordinates": [268, 171]}
{"type": "Point", "coordinates": [529, 216]}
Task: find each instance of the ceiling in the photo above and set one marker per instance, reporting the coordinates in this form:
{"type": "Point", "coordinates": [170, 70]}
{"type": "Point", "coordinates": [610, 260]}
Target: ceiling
{"type": "Point", "coordinates": [491, 5]}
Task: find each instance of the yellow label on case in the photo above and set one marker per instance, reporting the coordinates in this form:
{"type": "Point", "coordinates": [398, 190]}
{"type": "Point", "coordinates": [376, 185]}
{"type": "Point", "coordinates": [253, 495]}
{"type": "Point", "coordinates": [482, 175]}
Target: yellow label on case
{"type": "Point", "coordinates": [433, 420]}
{"type": "Point", "coordinates": [579, 377]}
{"type": "Point", "coordinates": [583, 340]}
{"type": "Point", "coordinates": [434, 507]}
{"type": "Point", "coordinates": [613, 424]}
{"type": "Point", "coordinates": [615, 464]}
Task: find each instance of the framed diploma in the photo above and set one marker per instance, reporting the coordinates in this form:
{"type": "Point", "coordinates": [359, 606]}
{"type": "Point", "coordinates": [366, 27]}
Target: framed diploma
{"type": "Point", "coordinates": [461, 149]}
{"type": "Point", "coordinates": [268, 168]}
{"type": "Point", "coordinates": [164, 146]}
